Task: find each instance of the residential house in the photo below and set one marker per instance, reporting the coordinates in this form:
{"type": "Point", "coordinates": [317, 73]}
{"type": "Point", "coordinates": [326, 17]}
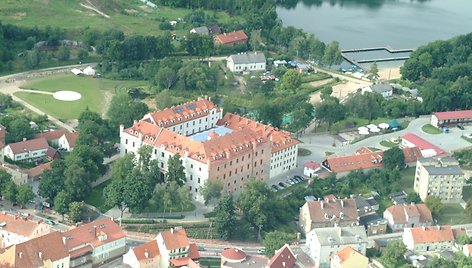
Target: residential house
{"type": "Point", "coordinates": [310, 168]}
{"type": "Point", "coordinates": [373, 223]}
{"type": "Point", "coordinates": [398, 198]}
{"type": "Point", "coordinates": [329, 212]}
{"type": "Point", "coordinates": [249, 261]}
{"type": "Point", "coordinates": [96, 242]}
{"type": "Point", "coordinates": [15, 229]}
{"type": "Point", "coordinates": [323, 243]}
{"type": "Point", "coordinates": [26, 150]}
{"type": "Point", "coordinates": [67, 141]}
{"type": "Point", "coordinates": [51, 136]}
{"type": "Point", "coordinates": [231, 38]}
{"type": "Point", "coordinates": [385, 90]}
{"type": "Point", "coordinates": [203, 30]}
{"type": "Point", "coordinates": [246, 62]}
{"type": "Point", "coordinates": [214, 29]}
{"type": "Point", "coordinates": [175, 248]}
{"type": "Point", "coordinates": [47, 251]}
{"type": "Point", "coordinates": [440, 177]}
{"type": "Point", "coordinates": [283, 258]}
{"type": "Point", "coordinates": [144, 256]}
{"type": "Point", "coordinates": [21, 176]}
{"type": "Point", "coordinates": [467, 250]}
{"type": "Point", "coordinates": [427, 149]}
{"type": "Point", "coordinates": [407, 216]}
{"type": "Point", "coordinates": [349, 258]}
{"type": "Point", "coordinates": [440, 119]}
{"type": "Point", "coordinates": [432, 238]}
{"type": "Point", "coordinates": [230, 149]}
{"type": "Point", "coordinates": [365, 205]}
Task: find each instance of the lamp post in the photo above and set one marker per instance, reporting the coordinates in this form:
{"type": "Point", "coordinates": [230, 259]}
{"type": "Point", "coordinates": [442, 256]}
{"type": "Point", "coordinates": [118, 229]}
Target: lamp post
{"type": "Point", "coordinates": [259, 234]}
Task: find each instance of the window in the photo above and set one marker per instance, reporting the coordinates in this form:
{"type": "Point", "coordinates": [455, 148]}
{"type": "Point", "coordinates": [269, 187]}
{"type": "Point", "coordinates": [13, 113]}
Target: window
{"type": "Point", "coordinates": [262, 151]}
{"type": "Point", "coordinates": [230, 173]}
{"type": "Point", "coordinates": [256, 153]}
{"type": "Point", "coordinates": [133, 143]}
{"type": "Point", "coordinates": [126, 151]}
{"type": "Point", "coordinates": [218, 169]}
{"type": "Point", "coordinates": [237, 160]}
{"type": "Point", "coordinates": [261, 161]}
{"type": "Point", "coordinates": [191, 177]}
{"type": "Point", "coordinates": [242, 159]}
{"type": "Point", "coordinates": [199, 169]}
{"type": "Point", "coordinates": [191, 165]}
{"type": "Point", "coordinates": [230, 163]}
{"type": "Point", "coordinates": [162, 154]}
{"type": "Point", "coordinates": [126, 141]}
{"type": "Point", "coordinates": [255, 164]}
{"type": "Point", "coordinates": [162, 165]}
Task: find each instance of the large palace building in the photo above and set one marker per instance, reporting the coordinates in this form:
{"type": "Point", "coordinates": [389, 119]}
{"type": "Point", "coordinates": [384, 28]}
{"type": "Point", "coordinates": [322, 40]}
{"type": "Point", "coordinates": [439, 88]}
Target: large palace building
{"type": "Point", "coordinates": [230, 148]}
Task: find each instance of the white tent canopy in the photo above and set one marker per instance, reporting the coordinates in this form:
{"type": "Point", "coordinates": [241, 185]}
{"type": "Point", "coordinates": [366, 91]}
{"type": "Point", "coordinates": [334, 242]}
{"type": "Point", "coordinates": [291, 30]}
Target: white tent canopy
{"type": "Point", "coordinates": [89, 71]}
{"type": "Point", "coordinates": [76, 71]}
{"type": "Point", "coordinates": [363, 129]}
{"type": "Point", "coordinates": [384, 125]}
{"type": "Point", "coordinates": [363, 132]}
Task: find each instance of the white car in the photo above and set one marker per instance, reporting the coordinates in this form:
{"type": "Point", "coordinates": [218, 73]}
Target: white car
{"type": "Point", "coordinates": [261, 251]}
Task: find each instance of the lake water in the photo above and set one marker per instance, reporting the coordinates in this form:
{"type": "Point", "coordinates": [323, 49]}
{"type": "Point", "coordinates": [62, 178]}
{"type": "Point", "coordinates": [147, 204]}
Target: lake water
{"type": "Point", "coordinates": [399, 24]}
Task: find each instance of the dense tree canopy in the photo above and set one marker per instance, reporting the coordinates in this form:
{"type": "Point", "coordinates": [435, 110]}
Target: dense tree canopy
{"type": "Point", "coordinates": [225, 217]}
{"type": "Point", "coordinates": [394, 158]}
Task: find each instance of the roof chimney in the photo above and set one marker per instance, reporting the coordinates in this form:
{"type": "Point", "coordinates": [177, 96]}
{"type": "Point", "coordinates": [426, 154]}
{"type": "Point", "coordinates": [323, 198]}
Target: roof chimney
{"type": "Point", "coordinates": [321, 204]}
{"type": "Point", "coordinates": [95, 230]}
{"type": "Point", "coordinates": [40, 254]}
{"type": "Point", "coordinates": [172, 230]}
{"type": "Point", "coordinates": [283, 264]}
{"type": "Point", "coordinates": [439, 227]}
{"type": "Point", "coordinates": [146, 253]}
{"type": "Point", "coordinates": [422, 227]}
{"type": "Point", "coordinates": [342, 203]}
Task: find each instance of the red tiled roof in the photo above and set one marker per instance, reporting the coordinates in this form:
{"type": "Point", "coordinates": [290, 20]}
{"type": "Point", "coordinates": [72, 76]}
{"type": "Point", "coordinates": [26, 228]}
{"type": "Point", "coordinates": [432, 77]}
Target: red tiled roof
{"type": "Point", "coordinates": [182, 113]}
{"type": "Point", "coordinates": [400, 213]}
{"type": "Point", "coordinates": [412, 154]}
{"type": "Point", "coordinates": [51, 153]}
{"type": "Point", "coordinates": [231, 37]}
{"type": "Point", "coordinates": [50, 135]}
{"type": "Point", "coordinates": [89, 233]}
{"type": "Point", "coordinates": [71, 138]}
{"type": "Point", "coordinates": [150, 247]}
{"type": "Point", "coordinates": [340, 164]}
{"type": "Point", "coordinates": [431, 234]}
{"type": "Point", "coordinates": [345, 253]}
{"type": "Point", "coordinates": [280, 139]}
{"type": "Point", "coordinates": [324, 210]}
{"type": "Point", "coordinates": [28, 145]}
{"type": "Point", "coordinates": [283, 258]}
{"type": "Point", "coordinates": [233, 254]}
{"type": "Point", "coordinates": [23, 226]}
{"type": "Point", "coordinates": [38, 170]}
{"type": "Point", "coordinates": [311, 165]}
{"type": "Point", "coordinates": [421, 143]}
{"type": "Point", "coordinates": [464, 114]}
{"type": "Point", "coordinates": [175, 239]}
{"type": "Point", "coordinates": [469, 248]}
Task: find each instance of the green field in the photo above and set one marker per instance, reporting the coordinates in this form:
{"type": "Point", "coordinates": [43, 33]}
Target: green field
{"type": "Point", "coordinates": [93, 92]}
{"type": "Point", "coordinates": [453, 214]}
{"type": "Point", "coordinates": [131, 17]}
{"type": "Point", "coordinates": [96, 198]}
{"type": "Point", "coordinates": [428, 128]}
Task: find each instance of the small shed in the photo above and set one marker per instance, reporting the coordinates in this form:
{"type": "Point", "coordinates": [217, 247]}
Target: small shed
{"type": "Point", "coordinates": [310, 168]}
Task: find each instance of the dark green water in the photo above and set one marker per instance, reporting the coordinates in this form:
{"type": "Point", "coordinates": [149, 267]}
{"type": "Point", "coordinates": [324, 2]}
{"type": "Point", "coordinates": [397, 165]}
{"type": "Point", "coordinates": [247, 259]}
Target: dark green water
{"type": "Point", "coordinates": [371, 23]}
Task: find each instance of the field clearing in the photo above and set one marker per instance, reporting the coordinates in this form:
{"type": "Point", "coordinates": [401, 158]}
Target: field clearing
{"type": "Point", "coordinates": [131, 17]}
{"type": "Point", "coordinates": [96, 94]}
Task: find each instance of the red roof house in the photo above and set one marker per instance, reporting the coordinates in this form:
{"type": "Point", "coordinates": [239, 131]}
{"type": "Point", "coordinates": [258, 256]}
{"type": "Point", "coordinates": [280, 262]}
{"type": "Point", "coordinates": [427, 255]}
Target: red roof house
{"type": "Point", "coordinates": [231, 38]}
{"type": "Point", "coordinates": [283, 258]}
{"type": "Point", "coordinates": [411, 140]}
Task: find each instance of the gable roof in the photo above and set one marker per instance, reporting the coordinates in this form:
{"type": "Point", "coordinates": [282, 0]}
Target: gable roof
{"type": "Point", "coordinates": [51, 135]}
{"type": "Point", "coordinates": [175, 238]}
{"type": "Point", "coordinates": [88, 234]}
{"type": "Point", "coordinates": [231, 37]}
{"type": "Point", "coordinates": [430, 234]}
{"type": "Point", "coordinates": [345, 163]}
{"type": "Point", "coordinates": [200, 30]}
{"type": "Point", "coordinates": [71, 138]}
{"type": "Point", "coordinates": [39, 169]}
{"type": "Point", "coordinates": [283, 258]}
{"type": "Point", "coordinates": [248, 58]}
{"type": "Point", "coordinates": [464, 114]}
{"type": "Point", "coordinates": [332, 209]}
{"type": "Point", "coordinates": [28, 145]}
{"type": "Point", "coordinates": [147, 250]}
{"type": "Point", "coordinates": [401, 213]}
{"type": "Point", "coordinates": [35, 252]}
{"type": "Point", "coordinates": [312, 165]}
{"type": "Point", "coordinates": [22, 226]}
{"type": "Point", "coordinates": [421, 143]}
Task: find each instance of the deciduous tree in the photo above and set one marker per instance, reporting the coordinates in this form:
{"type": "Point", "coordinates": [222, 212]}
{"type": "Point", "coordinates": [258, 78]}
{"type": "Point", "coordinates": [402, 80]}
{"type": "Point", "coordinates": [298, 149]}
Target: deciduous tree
{"type": "Point", "coordinates": [275, 240]}
{"type": "Point", "coordinates": [62, 202]}
{"type": "Point", "coordinates": [394, 158]}
{"type": "Point", "coordinates": [225, 217]}
{"type": "Point", "coordinates": [291, 80]}
{"type": "Point", "coordinates": [9, 191]}
{"type": "Point", "coordinates": [434, 204]}
{"type": "Point", "coordinates": [392, 255]}
{"type": "Point", "coordinates": [76, 211]}
{"type": "Point", "coordinates": [176, 171]}
{"type": "Point", "coordinates": [25, 194]}
{"type": "Point", "coordinates": [211, 189]}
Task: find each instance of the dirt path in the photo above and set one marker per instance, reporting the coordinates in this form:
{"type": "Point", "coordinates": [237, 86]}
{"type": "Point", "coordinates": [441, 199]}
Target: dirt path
{"type": "Point", "coordinates": [320, 83]}
{"type": "Point", "coordinates": [93, 8]}
{"type": "Point", "coordinates": [107, 96]}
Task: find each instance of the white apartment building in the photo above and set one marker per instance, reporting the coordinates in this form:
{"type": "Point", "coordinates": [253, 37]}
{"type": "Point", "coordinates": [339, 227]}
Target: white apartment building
{"type": "Point", "coordinates": [231, 149]}
{"type": "Point", "coordinates": [245, 62]}
{"type": "Point", "coordinates": [440, 177]}
{"type": "Point", "coordinates": [323, 243]}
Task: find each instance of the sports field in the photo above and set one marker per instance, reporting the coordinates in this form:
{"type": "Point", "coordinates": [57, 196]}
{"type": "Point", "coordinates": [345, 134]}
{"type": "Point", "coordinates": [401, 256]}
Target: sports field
{"type": "Point", "coordinates": [96, 94]}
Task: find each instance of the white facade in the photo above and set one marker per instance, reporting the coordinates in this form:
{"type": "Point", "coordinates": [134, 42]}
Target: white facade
{"type": "Point", "coordinates": [246, 62]}
{"type": "Point", "coordinates": [64, 143]}
{"type": "Point", "coordinates": [323, 243]}
{"type": "Point", "coordinates": [425, 246]}
{"type": "Point", "coordinates": [283, 160]}
{"type": "Point", "coordinates": [108, 250]}
{"type": "Point", "coordinates": [62, 263]}
{"type": "Point", "coordinates": [7, 151]}
{"type": "Point", "coordinates": [9, 238]}
{"type": "Point", "coordinates": [130, 259]}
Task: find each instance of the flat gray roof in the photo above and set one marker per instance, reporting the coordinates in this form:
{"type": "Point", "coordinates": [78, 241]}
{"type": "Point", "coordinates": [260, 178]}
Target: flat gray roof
{"type": "Point", "coordinates": [341, 235]}
{"type": "Point", "coordinates": [249, 57]}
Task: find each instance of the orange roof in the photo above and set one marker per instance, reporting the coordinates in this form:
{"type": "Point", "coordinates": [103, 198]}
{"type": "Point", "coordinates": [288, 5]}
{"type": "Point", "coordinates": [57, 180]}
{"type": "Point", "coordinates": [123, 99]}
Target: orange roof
{"type": "Point", "coordinates": [431, 234]}
{"type": "Point", "coordinates": [233, 254]}
{"type": "Point", "coordinates": [35, 252]}
{"type": "Point", "coordinates": [231, 37]}
{"type": "Point", "coordinates": [324, 210]}
{"type": "Point", "coordinates": [175, 238]}
{"type": "Point", "coordinates": [38, 170]}
{"type": "Point", "coordinates": [147, 250]}
{"type": "Point", "coordinates": [192, 264]}
{"type": "Point", "coordinates": [469, 248]}
{"type": "Point", "coordinates": [88, 234]}
{"type": "Point", "coordinates": [412, 154]}
{"type": "Point", "coordinates": [29, 145]}
{"type": "Point", "coordinates": [71, 138]}
{"type": "Point", "coordinates": [280, 139]}
{"type": "Point", "coordinates": [340, 164]}
{"type": "Point", "coordinates": [345, 253]}
{"type": "Point", "coordinates": [23, 226]}
{"type": "Point", "coordinates": [182, 113]}
{"type": "Point", "coordinates": [283, 258]}
{"type": "Point", "coordinates": [51, 135]}
{"type": "Point", "coordinates": [401, 213]}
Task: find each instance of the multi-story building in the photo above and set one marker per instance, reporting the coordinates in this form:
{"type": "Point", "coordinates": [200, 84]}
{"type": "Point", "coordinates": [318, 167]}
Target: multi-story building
{"type": "Point", "coordinates": [323, 243]}
{"type": "Point", "coordinates": [349, 258]}
{"type": "Point", "coordinates": [15, 229]}
{"type": "Point", "coordinates": [421, 239]}
{"type": "Point", "coordinates": [440, 177]}
{"type": "Point", "coordinates": [175, 248]}
{"type": "Point", "coordinates": [284, 257]}
{"type": "Point", "coordinates": [47, 251]}
{"type": "Point", "coordinates": [144, 256]}
{"type": "Point", "coordinates": [25, 150]}
{"type": "Point", "coordinates": [229, 149]}
{"type": "Point", "coordinates": [404, 216]}
{"type": "Point", "coordinates": [329, 212]}
{"type": "Point", "coordinates": [94, 243]}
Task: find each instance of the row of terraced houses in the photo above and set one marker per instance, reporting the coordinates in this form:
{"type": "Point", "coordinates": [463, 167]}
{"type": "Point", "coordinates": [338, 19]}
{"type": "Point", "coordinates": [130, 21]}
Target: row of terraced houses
{"type": "Point", "coordinates": [228, 148]}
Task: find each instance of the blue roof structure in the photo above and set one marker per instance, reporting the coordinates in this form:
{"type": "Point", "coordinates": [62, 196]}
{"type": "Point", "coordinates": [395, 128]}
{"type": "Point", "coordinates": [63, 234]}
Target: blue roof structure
{"type": "Point", "coordinates": [203, 136]}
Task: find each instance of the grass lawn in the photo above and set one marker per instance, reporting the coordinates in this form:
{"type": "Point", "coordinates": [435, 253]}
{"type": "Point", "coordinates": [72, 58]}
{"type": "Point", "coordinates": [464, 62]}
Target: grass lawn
{"type": "Point", "coordinates": [91, 89]}
{"type": "Point", "coordinates": [407, 179]}
{"type": "Point", "coordinates": [428, 128]}
{"type": "Point", "coordinates": [388, 144]}
{"type": "Point", "coordinates": [467, 192]}
{"type": "Point", "coordinates": [303, 152]}
{"type": "Point", "coordinates": [154, 206]}
{"type": "Point", "coordinates": [453, 214]}
{"type": "Point", "coordinates": [96, 198]}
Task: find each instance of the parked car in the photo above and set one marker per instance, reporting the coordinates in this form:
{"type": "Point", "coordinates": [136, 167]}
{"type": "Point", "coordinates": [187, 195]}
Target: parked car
{"type": "Point", "coordinates": [52, 223]}
{"type": "Point", "coordinates": [275, 187]}
{"type": "Point", "coordinates": [283, 185]}
{"type": "Point", "coordinates": [291, 181]}
{"type": "Point", "coordinates": [460, 126]}
{"type": "Point", "coordinates": [297, 180]}
{"type": "Point", "coordinates": [261, 251]}
{"type": "Point", "coordinates": [299, 177]}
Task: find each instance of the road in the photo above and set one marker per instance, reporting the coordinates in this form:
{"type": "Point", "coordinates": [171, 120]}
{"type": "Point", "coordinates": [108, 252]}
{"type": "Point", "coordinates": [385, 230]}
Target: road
{"type": "Point", "coordinates": [10, 84]}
